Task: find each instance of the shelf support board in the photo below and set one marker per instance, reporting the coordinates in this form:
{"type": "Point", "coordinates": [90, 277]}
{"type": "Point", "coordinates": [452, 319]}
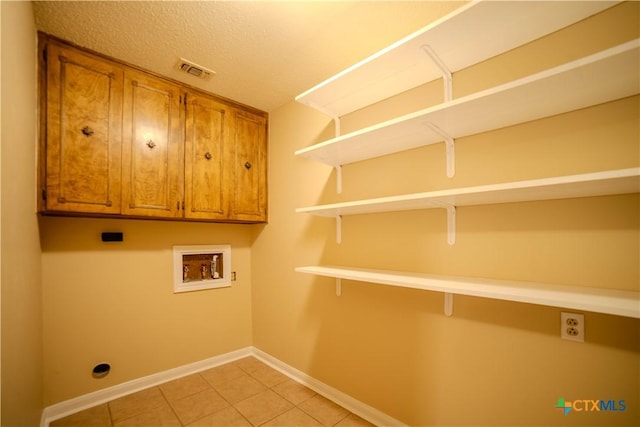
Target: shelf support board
{"type": "Point", "coordinates": [451, 157]}
{"type": "Point", "coordinates": [451, 221]}
{"type": "Point", "coordinates": [448, 304]}
{"type": "Point", "coordinates": [444, 70]}
{"type": "Point", "coordinates": [338, 229]}
{"type": "Point", "coordinates": [338, 178]}
{"type": "Point", "coordinates": [449, 143]}
{"type": "Point", "coordinates": [336, 125]}
{"type": "Point", "coordinates": [451, 225]}
{"type": "Point", "coordinates": [336, 119]}
{"type": "Point", "coordinates": [448, 96]}
{"type": "Point", "coordinates": [338, 286]}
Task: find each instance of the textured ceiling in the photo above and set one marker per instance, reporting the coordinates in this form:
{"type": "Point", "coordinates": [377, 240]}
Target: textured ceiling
{"type": "Point", "coordinates": [264, 52]}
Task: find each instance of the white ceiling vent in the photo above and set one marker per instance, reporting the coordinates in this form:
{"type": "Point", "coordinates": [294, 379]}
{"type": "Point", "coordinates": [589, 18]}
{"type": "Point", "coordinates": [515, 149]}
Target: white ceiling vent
{"type": "Point", "coordinates": [195, 69]}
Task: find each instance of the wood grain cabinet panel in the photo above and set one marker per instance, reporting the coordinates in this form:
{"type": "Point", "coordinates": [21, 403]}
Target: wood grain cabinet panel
{"type": "Point", "coordinates": [152, 145]}
{"type": "Point", "coordinates": [206, 156]}
{"type": "Point", "coordinates": [83, 113]}
{"type": "Point", "coordinates": [249, 139]}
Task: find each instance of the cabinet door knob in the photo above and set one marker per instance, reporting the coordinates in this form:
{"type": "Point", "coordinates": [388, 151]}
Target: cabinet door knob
{"type": "Point", "coordinates": [87, 131]}
{"type": "Point", "coordinates": [207, 155]}
{"type": "Point", "coordinates": [247, 165]}
{"type": "Point", "coordinates": [151, 144]}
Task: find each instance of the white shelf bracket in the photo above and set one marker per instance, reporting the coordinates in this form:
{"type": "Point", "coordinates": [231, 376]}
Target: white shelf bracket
{"type": "Point", "coordinates": [449, 144]}
{"type": "Point", "coordinates": [338, 179]}
{"type": "Point", "coordinates": [451, 225]}
{"type": "Point", "coordinates": [444, 70]}
{"type": "Point", "coordinates": [451, 222]}
{"type": "Point", "coordinates": [338, 286]}
{"type": "Point", "coordinates": [336, 124]}
{"type": "Point", "coordinates": [448, 304]}
{"type": "Point", "coordinates": [336, 119]}
{"type": "Point", "coordinates": [338, 229]}
{"type": "Point", "coordinates": [451, 157]}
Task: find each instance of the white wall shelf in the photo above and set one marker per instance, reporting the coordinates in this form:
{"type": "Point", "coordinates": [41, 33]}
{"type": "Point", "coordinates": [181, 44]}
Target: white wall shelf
{"type": "Point", "coordinates": [606, 76]}
{"type": "Point", "coordinates": [473, 33]}
{"type": "Point", "coordinates": [620, 181]}
{"type": "Point", "coordinates": [608, 301]}
{"type": "Point", "coordinates": [469, 35]}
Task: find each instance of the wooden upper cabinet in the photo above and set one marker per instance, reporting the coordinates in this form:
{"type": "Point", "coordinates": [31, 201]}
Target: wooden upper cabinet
{"type": "Point", "coordinates": [225, 161]}
{"type": "Point", "coordinates": [152, 147]}
{"type": "Point", "coordinates": [118, 141]}
{"type": "Point", "coordinates": [249, 165]}
{"type": "Point", "coordinates": [83, 131]}
{"type": "Point", "coordinates": [206, 158]}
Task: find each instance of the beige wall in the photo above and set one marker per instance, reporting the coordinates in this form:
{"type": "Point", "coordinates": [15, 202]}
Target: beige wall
{"type": "Point", "coordinates": [492, 362]}
{"type": "Point", "coordinates": [98, 302]}
{"type": "Point", "coordinates": [21, 300]}
{"type": "Point", "coordinates": [114, 302]}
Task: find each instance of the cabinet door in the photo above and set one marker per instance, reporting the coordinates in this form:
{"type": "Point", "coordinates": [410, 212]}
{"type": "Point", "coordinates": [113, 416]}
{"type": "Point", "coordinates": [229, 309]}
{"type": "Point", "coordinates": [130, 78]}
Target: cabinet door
{"type": "Point", "coordinates": [152, 147]}
{"type": "Point", "coordinates": [83, 132]}
{"type": "Point", "coordinates": [249, 138]}
{"type": "Point", "coordinates": [206, 158]}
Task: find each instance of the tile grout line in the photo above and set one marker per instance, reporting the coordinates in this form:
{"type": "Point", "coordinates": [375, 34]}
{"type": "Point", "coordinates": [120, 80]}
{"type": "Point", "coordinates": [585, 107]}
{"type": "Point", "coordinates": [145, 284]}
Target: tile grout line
{"type": "Point", "coordinates": [271, 388]}
{"type": "Point", "coordinates": [221, 395]}
{"type": "Point", "coordinates": [253, 368]}
{"type": "Point", "coordinates": [295, 406]}
{"type": "Point", "coordinates": [268, 388]}
{"type": "Point", "coordinates": [111, 422]}
{"type": "Point", "coordinates": [170, 405]}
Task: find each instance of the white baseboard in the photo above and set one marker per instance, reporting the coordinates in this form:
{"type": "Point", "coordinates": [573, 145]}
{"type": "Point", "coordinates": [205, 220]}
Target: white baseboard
{"type": "Point", "coordinates": [359, 408]}
{"type": "Point", "coordinates": [80, 403]}
{"type": "Point", "coordinates": [71, 406]}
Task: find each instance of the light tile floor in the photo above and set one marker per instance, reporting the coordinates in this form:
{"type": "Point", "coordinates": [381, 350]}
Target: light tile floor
{"type": "Point", "coordinates": [246, 392]}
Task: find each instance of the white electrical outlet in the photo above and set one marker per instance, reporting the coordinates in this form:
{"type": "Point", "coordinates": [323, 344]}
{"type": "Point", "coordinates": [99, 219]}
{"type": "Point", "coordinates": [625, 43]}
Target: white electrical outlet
{"type": "Point", "coordinates": [572, 326]}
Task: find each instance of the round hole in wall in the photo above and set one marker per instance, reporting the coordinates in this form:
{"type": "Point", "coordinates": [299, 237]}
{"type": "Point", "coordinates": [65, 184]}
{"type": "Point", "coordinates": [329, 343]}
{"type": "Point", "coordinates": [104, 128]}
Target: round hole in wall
{"type": "Point", "coordinates": [101, 370]}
